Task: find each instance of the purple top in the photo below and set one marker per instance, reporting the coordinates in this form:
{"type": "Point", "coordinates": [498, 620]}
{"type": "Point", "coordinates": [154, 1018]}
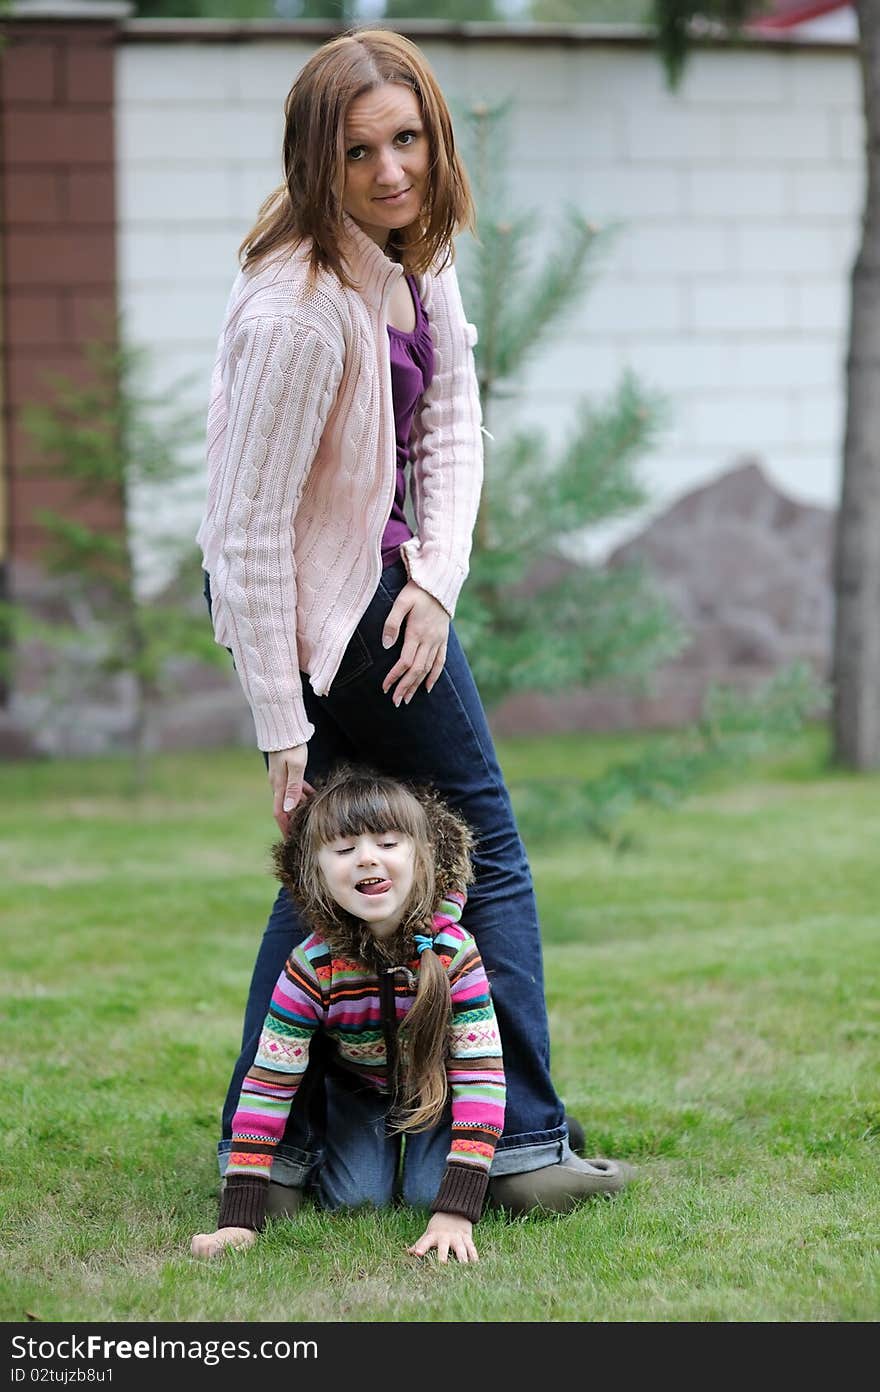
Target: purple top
{"type": "Point", "coordinates": [412, 368]}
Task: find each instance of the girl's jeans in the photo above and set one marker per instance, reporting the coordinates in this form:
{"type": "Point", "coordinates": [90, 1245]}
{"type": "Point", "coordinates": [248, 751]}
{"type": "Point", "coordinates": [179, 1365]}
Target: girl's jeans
{"type": "Point", "coordinates": [362, 1163]}
{"type": "Point", "coordinates": [442, 739]}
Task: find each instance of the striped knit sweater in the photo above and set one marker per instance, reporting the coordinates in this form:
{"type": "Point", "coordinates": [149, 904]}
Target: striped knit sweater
{"type": "Point", "coordinates": [318, 990]}
{"type": "Point", "coordinates": [302, 469]}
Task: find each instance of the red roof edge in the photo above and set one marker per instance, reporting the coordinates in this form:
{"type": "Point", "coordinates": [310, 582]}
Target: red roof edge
{"type": "Point", "coordinates": [789, 15]}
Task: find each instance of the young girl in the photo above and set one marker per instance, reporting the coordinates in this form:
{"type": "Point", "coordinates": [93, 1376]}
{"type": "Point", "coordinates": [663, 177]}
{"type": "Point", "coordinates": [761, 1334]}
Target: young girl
{"type": "Point", "coordinates": [414, 1078]}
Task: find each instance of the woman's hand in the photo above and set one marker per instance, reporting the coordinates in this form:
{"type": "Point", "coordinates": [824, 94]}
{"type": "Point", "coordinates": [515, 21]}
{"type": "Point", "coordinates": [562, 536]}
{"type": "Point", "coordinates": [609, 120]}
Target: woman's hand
{"type": "Point", "coordinates": [448, 1232]}
{"type": "Point", "coordinates": [286, 769]}
{"type": "Point", "coordinates": [424, 645]}
{"type": "Point", "coordinates": [212, 1244]}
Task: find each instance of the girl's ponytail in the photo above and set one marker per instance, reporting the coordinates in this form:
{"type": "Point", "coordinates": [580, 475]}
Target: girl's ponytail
{"type": "Point", "coordinates": [424, 1043]}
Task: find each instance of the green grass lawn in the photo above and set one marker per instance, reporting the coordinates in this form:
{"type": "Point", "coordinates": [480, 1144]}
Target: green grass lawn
{"type": "Point", "coordinates": [715, 1009]}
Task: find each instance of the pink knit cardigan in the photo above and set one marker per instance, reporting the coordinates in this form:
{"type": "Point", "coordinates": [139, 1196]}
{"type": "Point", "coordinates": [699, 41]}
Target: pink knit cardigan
{"type": "Point", "coordinates": [301, 470]}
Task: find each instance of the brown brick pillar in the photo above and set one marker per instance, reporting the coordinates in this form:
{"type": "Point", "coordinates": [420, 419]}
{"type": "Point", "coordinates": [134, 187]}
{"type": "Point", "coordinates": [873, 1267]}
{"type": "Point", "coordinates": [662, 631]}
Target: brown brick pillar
{"type": "Point", "coordinates": [57, 240]}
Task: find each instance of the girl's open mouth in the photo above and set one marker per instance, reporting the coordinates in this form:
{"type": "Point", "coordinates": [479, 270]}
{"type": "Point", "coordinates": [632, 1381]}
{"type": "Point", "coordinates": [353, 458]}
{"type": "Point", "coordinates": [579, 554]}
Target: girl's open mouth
{"type": "Point", "coordinates": [373, 886]}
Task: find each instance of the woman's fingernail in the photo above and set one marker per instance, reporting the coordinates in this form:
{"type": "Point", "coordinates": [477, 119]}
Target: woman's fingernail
{"type": "Point", "coordinates": [386, 641]}
{"type": "Point", "coordinates": [288, 804]}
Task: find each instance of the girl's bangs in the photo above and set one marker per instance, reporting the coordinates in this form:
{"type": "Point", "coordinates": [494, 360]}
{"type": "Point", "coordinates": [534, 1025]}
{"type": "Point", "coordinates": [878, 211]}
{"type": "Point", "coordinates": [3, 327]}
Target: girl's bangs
{"type": "Point", "coordinates": [366, 808]}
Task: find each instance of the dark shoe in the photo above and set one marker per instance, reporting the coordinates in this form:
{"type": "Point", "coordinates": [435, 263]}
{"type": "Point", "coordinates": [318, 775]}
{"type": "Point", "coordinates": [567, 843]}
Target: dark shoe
{"type": "Point", "coordinates": [282, 1201]}
{"type": "Point", "coordinates": [559, 1188]}
{"type": "Point", "coordinates": [576, 1138]}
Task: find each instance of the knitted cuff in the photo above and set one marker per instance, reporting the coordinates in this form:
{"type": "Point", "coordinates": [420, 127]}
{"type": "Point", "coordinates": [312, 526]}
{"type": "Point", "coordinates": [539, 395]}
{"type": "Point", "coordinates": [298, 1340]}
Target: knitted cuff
{"type": "Point", "coordinates": [440, 576]}
{"type": "Point", "coordinates": [282, 727]}
{"type": "Point", "coordinates": [462, 1190]}
{"type": "Point", "coordinates": [243, 1203]}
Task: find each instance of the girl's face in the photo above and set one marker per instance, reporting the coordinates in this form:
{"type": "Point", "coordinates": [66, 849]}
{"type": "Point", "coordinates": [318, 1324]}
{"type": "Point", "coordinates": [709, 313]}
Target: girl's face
{"type": "Point", "coordinates": [386, 160]}
{"type": "Point", "coordinates": [371, 877]}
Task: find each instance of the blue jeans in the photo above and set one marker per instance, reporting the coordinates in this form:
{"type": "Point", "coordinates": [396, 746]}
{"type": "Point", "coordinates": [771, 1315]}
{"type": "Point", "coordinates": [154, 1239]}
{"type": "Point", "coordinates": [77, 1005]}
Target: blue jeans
{"type": "Point", "coordinates": [442, 739]}
{"type": "Point", "coordinates": [362, 1162]}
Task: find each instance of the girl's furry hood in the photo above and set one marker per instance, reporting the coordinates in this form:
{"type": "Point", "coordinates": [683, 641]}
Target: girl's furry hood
{"type": "Point", "coordinates": [345, 935]}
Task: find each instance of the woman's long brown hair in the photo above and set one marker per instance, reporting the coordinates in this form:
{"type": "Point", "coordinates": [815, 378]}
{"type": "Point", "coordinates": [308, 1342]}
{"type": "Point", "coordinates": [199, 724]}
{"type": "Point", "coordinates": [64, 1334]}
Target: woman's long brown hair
{"type": "Point", "coordinates": [354, 803]}
{"type": "Point", "coordinates": [308, 206]}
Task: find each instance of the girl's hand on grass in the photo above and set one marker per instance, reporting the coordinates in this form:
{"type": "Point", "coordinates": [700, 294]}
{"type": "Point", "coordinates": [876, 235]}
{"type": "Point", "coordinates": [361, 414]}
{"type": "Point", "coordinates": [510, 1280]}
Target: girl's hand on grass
{"type": "Point", "coordinates": [448, 1232]}
{"type": "Point", "coordinates": [212, 1244]}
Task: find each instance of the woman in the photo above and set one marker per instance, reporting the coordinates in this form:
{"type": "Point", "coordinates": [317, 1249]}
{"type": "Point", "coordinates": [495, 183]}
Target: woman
{"type": "Point", "coordinates": [345, 347]}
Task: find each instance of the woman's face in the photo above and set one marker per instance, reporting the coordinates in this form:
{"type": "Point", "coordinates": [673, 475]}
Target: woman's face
{"type": "Point", "coordinates": [386, 160]}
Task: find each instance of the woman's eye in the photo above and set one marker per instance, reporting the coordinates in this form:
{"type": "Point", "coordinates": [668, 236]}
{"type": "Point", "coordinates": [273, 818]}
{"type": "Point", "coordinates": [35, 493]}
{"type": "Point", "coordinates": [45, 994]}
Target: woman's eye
{"type": "Point", "coordinates": [406, 137]}
{"type": "Point", "coordinates": [355, 153]}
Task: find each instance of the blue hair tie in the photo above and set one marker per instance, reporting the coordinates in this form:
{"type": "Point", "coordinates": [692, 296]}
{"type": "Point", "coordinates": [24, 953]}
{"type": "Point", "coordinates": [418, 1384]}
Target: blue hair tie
{"type": "Point", "coordinates": [423, 943]}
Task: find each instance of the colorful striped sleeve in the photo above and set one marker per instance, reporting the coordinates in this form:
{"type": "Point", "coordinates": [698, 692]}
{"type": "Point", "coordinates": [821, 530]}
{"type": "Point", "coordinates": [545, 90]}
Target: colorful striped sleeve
{"type": "Point", "coordinates": [296, 1011]}
{"type": "Point", "coordinates": [475, 1070]}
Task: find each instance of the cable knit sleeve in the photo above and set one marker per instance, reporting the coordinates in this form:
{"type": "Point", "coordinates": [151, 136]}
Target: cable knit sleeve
{"type": "Point", "coordinates": [278, 381]}
{"type": "Point", "coordinates": [447, 451]}
{"type": "Point", "coordinates": [296, 1011]}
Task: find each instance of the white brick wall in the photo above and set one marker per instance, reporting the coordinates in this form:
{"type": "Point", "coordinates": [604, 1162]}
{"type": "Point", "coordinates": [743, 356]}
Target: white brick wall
{"type": "Point", "coordinates": [752, 79]}
{"type": "Point", "coordinates": [718, 421]}
{"type": "Point", "coordinates": [200, 133]}
{"type": "Point", "coordinates": [678, 249]}
{"type": "Point", "coordinates": [829, 193]}
{"type": "Point", "coordinates": [820, 420]}
{"type": "Point", "coordinates": [823, 305]}
{"type": "Point", "coordinates": [805, 136]}
{"type": "Point", "coordinates": [722, 308]}
{"type": "Point", "coordinates": [731, 194]}
{"type": "Point", "coordinates": [724, 285]}
{"type": "Point", "coordinates": [672, 136]}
